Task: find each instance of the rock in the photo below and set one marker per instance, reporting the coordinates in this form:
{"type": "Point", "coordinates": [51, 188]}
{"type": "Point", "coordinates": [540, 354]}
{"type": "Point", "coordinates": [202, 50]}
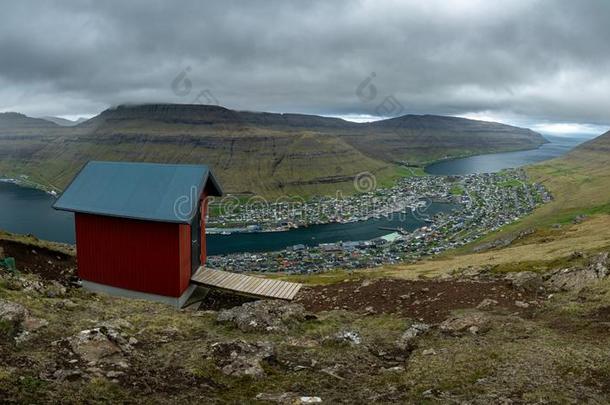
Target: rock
{"type": "Point", "coordinates": [579, 219]}
{"type": "Point", "coordinates": [302, 342]}
{"type": "Point", "coordinates": [16, 322]}
{"type": "Point", "coordinates": [116, 323]}
{"type": "Point", "coordinates": [395, 369]}
{"type": "Point", "coordinates": [350, 337]}
{"type": "Point", "coordinates": [100, 345]}
{"type": "Point", "coordinates": [526, 281]}
{"type": "Point", "coordinates": [283, 398]}
{"type": "Point", "coordinates": [12, 317]}
{"type": "Point", "coordinates": [239, 358]}
{"type": "Point", "coordinates": [570, 279]}
{"type": "Point", "coordinates": [31, 284]}
{"type": "Point", "coordinates": [288, 398]}
{"type": "Point", "coordinates": [407, 340]}
{"type": "Point", "coordinates": [599, 264]}
{"type": "Point", "coordinates": [264, 316]}
{"type": "Point", "coordinates": [522, 304]}
{"type": "Point", "coordinates": [69, 375]}
{"type": "Point", "coordinates": [310, 400]}
{"type": "Point", "coordinates": [576, 278]}
{"type": "Point", "coordinates": [114, 374]}
{"type": "Point", "coordinates": [66, 304]}
{"type": "Point", "coordinates": [487, 303]}
{"type": "Point", "coordinates": [474, 322]}
{"type": "Point", "coordinates": [54, 289]}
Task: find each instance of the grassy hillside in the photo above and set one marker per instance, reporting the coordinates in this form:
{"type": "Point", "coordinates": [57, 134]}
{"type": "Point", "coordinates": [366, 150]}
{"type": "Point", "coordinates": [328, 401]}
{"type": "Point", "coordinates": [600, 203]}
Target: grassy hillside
{"type": "Point", "coordinates": [270, 154]}
{"type": "Point", "coordinates": [477, 339]}
{"type": "Point", "coordinates": [580, 180]}
{"type": "Point", "coordinates": [578, 218]}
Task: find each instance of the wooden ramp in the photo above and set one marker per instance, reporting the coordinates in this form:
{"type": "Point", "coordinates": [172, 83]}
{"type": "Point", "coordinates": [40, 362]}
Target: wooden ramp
{"type": "Point", "coordinates": [243, 284]}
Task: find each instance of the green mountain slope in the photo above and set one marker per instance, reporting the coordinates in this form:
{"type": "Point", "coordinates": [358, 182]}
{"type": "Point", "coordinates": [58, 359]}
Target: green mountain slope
{"type": "Point", "coordinates": [252, 152]}
{"type": "Point", "coordinates": [579, 181]}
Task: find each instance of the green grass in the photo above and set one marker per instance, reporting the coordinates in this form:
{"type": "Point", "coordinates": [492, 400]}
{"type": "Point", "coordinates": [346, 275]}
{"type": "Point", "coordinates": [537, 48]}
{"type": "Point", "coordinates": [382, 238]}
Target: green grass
{"type": "Point", "coordinates": [457, 190]}
{"type": "Point", "coordinates": [511, 183]}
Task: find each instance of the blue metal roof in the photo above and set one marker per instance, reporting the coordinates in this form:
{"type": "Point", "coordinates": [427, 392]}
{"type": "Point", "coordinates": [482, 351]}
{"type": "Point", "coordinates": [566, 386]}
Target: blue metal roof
{"type": "Point", "coordinates": [149, 191]}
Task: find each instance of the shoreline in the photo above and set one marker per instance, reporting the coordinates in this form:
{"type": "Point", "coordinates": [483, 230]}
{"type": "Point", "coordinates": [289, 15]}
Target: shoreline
{"type": "Point", "coordinates": [466, 156]}
{"type": "Point", "coordinates": [25, 183]}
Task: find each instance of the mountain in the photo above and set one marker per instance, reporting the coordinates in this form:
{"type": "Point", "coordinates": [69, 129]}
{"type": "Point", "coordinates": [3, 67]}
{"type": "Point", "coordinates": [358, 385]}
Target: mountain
{"type": "Point", "coordinates": [259, 152]}
{"type": "Point", "coordinates": [16, 123]}
{"type": "Point", "coordinates": [580, 180]}
{"type": "Point", "coordinates": [65, 122]}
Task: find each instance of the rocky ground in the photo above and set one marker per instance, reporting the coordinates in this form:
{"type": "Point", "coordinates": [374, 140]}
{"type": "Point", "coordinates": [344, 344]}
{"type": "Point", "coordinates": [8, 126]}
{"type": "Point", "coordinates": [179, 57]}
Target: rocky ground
{"type": "Point", "coordinates": [475, 336]}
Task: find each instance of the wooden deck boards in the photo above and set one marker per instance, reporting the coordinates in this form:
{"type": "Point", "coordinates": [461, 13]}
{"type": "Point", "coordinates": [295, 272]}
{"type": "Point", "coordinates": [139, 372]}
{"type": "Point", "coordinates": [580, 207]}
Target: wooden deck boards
{"type": "Point", "coordinates": [243, 284]}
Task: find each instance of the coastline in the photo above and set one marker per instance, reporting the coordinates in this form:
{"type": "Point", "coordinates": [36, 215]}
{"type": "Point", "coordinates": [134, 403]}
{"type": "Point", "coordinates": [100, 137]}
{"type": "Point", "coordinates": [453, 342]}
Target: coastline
{"type": "Point", "coordinates": [469, 155]}
{"type": "Point", "coordinates": [26, 183]}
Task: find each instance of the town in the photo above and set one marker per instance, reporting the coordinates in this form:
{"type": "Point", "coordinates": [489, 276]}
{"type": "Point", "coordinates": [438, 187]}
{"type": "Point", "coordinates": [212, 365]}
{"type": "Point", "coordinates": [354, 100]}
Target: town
{"type": "Point", "coordinates": [485, 203]}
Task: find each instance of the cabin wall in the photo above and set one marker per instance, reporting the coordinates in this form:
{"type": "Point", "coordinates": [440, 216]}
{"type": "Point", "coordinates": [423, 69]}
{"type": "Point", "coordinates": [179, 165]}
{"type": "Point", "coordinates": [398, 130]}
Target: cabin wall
{"type": "Point", "coordinates": [185, 255]}
{"type": "Point", "coordinates": [204, 210]}
{"type": "Point", "coordinates": [132, 254]}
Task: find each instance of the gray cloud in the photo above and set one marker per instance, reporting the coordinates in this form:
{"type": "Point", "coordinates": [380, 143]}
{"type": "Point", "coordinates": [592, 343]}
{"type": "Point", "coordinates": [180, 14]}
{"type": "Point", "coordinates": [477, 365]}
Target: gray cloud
{"type": "Point", "coordinates": [526, 61]}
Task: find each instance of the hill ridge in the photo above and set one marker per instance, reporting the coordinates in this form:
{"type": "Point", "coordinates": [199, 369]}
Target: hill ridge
{"type": "Point", "coordinates": [253, 152]}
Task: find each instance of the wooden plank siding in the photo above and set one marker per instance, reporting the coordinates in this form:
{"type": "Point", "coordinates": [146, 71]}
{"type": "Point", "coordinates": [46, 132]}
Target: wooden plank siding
{"type": "Point", "coordinates": [132, 254]}
{"type": "Point", "coordinates": [244, 284]}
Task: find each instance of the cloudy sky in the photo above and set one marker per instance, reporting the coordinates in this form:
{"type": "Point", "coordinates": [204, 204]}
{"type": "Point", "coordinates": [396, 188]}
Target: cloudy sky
{"type": "Point", "coordinates": [543, 64]}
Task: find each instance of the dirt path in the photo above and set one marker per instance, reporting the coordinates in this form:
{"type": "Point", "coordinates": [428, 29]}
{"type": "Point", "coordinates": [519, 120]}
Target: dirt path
{"type": "Point", "coordinates": [430, 301]}
{"type": "Point", "coordinates": [49, 264]}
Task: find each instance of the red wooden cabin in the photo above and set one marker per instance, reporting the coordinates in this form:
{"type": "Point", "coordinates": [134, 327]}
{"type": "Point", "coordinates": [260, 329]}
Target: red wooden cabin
{"type": "Point", "coordinates": [140, 227]}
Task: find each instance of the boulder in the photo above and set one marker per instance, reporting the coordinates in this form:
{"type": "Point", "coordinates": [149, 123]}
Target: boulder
{"type": "Point", "coordinates": [69, 375]}
{"type": "Point", "coordinates": [291, 398]}
{"type": "Point", "coordinates": [54, 289]}
{"type": "Point", "coordinates": [12, 317]}
{"type": "Point", "coordinates": [16, 322]}
{"type": "Point", "coordinates": [570, 279]}
{"type": "Point", "coordinates": [487, 303]}
{"type": "Point", "coordinates": [473, 322]}
{"type": "Point", "coordinates": [100, 345]}
{"type": "Point", "coordinates": [239, 358]}
{"type": "Point", "coordinates": [576, 278]}
{"type": "Point", "coordinates": [526, 281]}
{"type": "Point", "coordinates": [599, 264]}
{"type": "Point", "coordinates": [264, 316]}
{"type": "Point", "coordinates": [350, 337]}
{"type": "Point", "coordinates": [408, 338]}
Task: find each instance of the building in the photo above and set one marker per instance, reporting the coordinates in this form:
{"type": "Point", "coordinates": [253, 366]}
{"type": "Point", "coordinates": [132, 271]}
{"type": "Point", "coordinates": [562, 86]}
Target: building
{"type": "Point", "coordinates": [140, 227]}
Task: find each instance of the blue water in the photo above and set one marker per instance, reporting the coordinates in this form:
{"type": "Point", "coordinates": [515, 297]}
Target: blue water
{"type": "Point", "coordinates": [495, 162]}
{"type": "Point", "coordinates": [316, 234]}
{"type": "Point", "coordinates": [28, 211]}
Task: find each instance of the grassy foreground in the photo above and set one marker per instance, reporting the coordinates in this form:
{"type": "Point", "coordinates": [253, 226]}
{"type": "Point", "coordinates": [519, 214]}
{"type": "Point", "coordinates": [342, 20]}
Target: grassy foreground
{"type": "Point", "coordinates": [554, 351]}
